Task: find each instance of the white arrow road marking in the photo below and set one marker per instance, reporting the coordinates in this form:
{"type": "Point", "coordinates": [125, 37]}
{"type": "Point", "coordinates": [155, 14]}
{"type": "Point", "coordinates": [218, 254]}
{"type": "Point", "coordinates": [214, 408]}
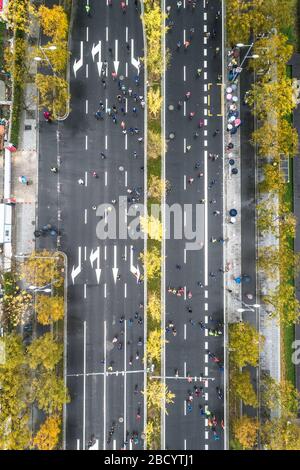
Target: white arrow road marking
{"type": "Point", "coordinates": [76, 271]}
{"type": "Point", "coordinates": [78, 63]}
{"type": "Point", "coordinates": [135, 270]}
{"type": "Point", "coordinates": [116, 61]}
{"type": "Point", "coordinates": [98, 50]}
{"type": "Point", "coordinates": [95, 255]}
{"type": "Point", "coordinates": [115, 269]}
{"type": "Point", "coordinates": [135, 63]}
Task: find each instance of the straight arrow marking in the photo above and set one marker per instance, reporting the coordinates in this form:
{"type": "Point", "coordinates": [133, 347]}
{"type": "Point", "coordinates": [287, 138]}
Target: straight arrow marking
{"type": "Point", "coordinates": [95, 255]}
{"type": "Point", "coordinates": [116, 61]}
{"type": "Point", "coordinates": [115, 268]}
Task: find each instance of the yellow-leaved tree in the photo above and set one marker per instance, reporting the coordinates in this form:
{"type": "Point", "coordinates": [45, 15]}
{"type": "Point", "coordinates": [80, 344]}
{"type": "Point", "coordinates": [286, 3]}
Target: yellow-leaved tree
{"type": "Point", "coordinates": [47, 437]}
{"type": "Point", "coordinates": [154, 102]}
{"type": "Point", "coordinates": [43, 267]}
{"type": "Point", "coordinates": [152, 261]}
{"type": "Point", "coordinates": [152, 226]}
{"type": "Point", "coordinates": [45, 352]}
{"type": "Point", "coordinates": [54, 93]}
{"type": "Point", "coordinates": [54, 22]}
{"type": "Point", "coordinates": [154, 307]}
{"type": "Point", "coordinates": [49, 309]}
{"type": "Point", "coordinates": [154, 345]}
{"type": "Point", "coordinates": [245, 430]}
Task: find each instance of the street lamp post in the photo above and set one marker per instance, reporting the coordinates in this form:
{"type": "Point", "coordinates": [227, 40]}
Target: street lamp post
{"type": "Point", "coordinates": [43, 49]}
{"type": "Point", "coordinates": [247, 56]}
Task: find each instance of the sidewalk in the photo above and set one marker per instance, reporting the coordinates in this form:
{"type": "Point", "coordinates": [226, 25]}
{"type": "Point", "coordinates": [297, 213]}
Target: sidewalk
{"type": "Point", "coordinates": [25, 163]}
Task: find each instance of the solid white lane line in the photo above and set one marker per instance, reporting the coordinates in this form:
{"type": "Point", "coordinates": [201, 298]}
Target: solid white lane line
{"type": "Point", "coordinates": [106, 142]}
{"type": "Point", "coordinates": [126, 179]}
{"type": "Point", "coordinates": [126, 69]}
{"type": "Point", "coordinates": [106, 104]}
{"type": "Point", "coordinates": [106, 35]}
{"type": "Point", "coordinates": [205, 112]}
{"type": "Point", "coordinates": [105, 178]}
{"type": "Point", "coordinates": [205, 88]}
{"type": "Point", "coordinates": [205, 28]}
{"type": "Point", "coordinates": [105, 253]}
{"type": "Point", "coordinates": [105, 293]}
{"type": "Point", "coordinates": [126, 105]}
{"type": "Point", "coordinates": [205, 133]}
{"type": "Point", "coordinates": [125, 380]}
{"type": "Point", "coordinates": [206, 306]}
{"type": "Point", "coordinates": [184, 331]}
{"type": "Point", "coordinates": [184, 218]}
{"type": "Point", "coordinates": [86, 106]}
{"type": "Point", "coordinates": [205, 40]}
{"type": "Point", "coordinates": [206, 447]}
{"type": "Point", "coordinates": [205, 99]}
{"type": "Point", "coordinates": [84, 290]}
{"type": "Point", "coordinates": [184, 108]}
{"type": "Point", "coordinates": [126, 142]}
{"type": "Point", "coordinates": [184, 256]}
{"type": "Point", "coordinates": [206, 358]}
{"type": "Point", "coordinates": [206, 294]}
{"type": "Point", "coordinates": [206, 434]}
{"type": "Point", "coordinates": [205, 143]}
{"type": "Point", "coordinates": [205, 16]}
{"type": "Point", "coordinates": [206, 396]}
{"type": "Point", "coordinates": [184, 369]}
{"type": "Point", "coordinates": [87, 34]}
{"type": "Point", "coordinates": [206, 383]}
{"type": "Point", "coordinates": [184, 408]}
{"type": "Point", "coordinates": [104, 387]}
{"type": "Point", "coordinates": [184, 182]}
{"type": "Point", "coordinates": [85, 253]}
{"type": "Point", "coordinates": [184, 73]}
{"type": "Point", "coordinates": [85, 178]}
{"type": "Point", "coordinates": [206, 422]}
{"type": "Point", "coordinates": [206, 371]}
{"type": "Point", "coordinates": [184, 36]}
{"type": "Point", "coordinates": [206, 218]}
{"type": "Point", "coordinates": [84, 383]}
{"type": "Point", "coordinates": [184, 444]}
{"type": "Point", "coordinates": [114, 444]}
{"type": "Point", "coordinates": [78, 444]}
{"type": "Point", "coordinates": [205, 75]}
{"type": "Point", "coordinates": [86, 142]}
{"type": "Point", "coordinates": [125, 290]}
{"type": "Point", "coordinates": [85, 216]}
{"type": "Point", "coordinates": [184, 295]}
{"type": "Point", "coordinates": [125, 253]}
{"type": "Point", "coordinates": [206, 345]}
{"type": "Point", "coordinates": [205, 122]}
{"type": "Point", "coordinates": [205, 64]}
{"type": "Point", "coordinates": [206, 332]}
{"type": "Point", "coordinates": [206, 319]}
{"type": "Point", "coordinates": [87, 71]}
{"type": "Point", "coordinates": [184, 145]}
{"type": "Point", "coordinates": [126, 35]}
{"type": "Point", "coordinates": [205, 52]}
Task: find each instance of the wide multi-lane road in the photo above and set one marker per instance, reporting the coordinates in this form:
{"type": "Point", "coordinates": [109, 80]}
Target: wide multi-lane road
{"type": "Point", "coordinates": [193, 84]}
{"type": "Point", "coordinates": [105, 319]}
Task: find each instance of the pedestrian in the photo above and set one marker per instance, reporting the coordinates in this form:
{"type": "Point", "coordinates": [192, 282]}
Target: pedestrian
{"type": "Point", "coordinates": [123, 125]}
{"type": "Point", "coordinates": [53, 169]}
{"type": "Point", "coordinates": [178, 45]}
{"type": "Point", "coordinates": [188, 95]}
{"type": "Point", "coordinates": [217, 212]}
{"type": "Point", "coordinates": [80, 181]}
{"type": "Point", "coordinates": [186, 45]}
{"type": "Point", "coordinates": [114, 76]}
{"type": "Point", "coordinates": [178, 266]}
{"type": "Point", "coordinates": [179, 5]}
{"type": "Point", "coordinates": [216, 132]}
{"type": "Point", "coordinates": [198, 72]}
{"type": "Point", "coordinates": [103, 83]}
{"type": "Point", "coordinates": [188, 148]}
{"type": "Point", "coordinates": [102, 155]}
{"type": "Point", "coordinates": [191, 115]}
{"type": "Point", "coordinates": [179, 105]}
{"type": "Point", "coordinates": [168, 8]}
{"type": "Point", "coordinates": [128, 47]}
{"type": "Point", "coordinates": [196, 135]}
{"type": "Point", "coordinates": [190, 180]}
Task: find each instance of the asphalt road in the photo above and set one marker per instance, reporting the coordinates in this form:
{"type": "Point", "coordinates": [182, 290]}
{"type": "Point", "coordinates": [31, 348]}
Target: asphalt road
{"type": "Point", "coordinates": [101, 378]}
{"type": "Point", "coordinates": [187, 353]}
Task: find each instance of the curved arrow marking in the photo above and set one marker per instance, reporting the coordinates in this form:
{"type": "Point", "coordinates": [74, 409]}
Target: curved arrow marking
{"type": "Point", "coordinates": [78, 63]}
{"type": "Point", "coordinates": [95, 255]}
{"type": "Point", "coordinates": [135, 62]}
{"type": "Point", "coordinates": [76, 271]}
